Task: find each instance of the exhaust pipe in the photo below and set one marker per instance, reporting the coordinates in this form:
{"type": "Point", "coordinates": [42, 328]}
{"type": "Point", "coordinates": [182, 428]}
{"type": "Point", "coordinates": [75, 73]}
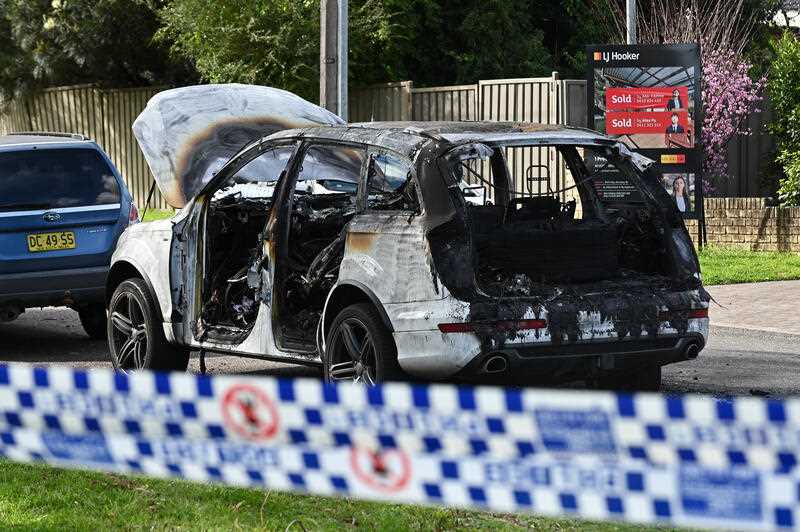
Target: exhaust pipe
{"type": "Point", "coordinates": [495, 364]}
{"type": "Point", "coordinates": [692, 351]}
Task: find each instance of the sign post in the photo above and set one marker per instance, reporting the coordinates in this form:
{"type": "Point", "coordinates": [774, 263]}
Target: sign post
{"type": "Point", "coordinates": [648, 96]}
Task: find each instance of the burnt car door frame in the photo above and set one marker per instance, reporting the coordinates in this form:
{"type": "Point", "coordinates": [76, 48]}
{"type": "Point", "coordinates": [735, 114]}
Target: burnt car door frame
{"type": "Point", "coordinates": [279, 229]}
{"type": "Point", "coordinates": [188, 239]}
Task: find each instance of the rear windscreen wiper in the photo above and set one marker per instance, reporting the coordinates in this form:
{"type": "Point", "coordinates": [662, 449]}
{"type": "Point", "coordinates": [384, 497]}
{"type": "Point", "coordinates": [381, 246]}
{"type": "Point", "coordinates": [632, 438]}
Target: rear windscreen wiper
{"type": "Point", "coordinates": [21, 206]}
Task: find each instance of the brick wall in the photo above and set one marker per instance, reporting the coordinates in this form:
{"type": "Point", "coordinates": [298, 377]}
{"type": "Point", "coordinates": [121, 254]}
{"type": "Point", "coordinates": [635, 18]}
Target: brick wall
{"type": "Point", "coordinates": [747, 223]}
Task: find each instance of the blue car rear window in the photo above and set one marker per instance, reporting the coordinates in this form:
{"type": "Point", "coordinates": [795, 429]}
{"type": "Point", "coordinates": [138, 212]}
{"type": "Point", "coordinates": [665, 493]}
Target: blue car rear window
{"type": "Point", "coordinates": [52, 178]}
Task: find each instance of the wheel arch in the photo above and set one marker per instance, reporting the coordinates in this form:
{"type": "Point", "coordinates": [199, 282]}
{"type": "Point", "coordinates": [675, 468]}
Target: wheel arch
{"type": "Point", "coordinates": [123, 270]}
{"type": "Point", "coordinates": [349, 293]}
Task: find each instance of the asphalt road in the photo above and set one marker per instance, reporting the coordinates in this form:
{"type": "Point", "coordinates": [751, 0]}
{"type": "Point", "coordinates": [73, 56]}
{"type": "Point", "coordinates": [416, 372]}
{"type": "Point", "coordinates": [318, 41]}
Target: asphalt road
{"type": "Point", "coordinates": [736, 361]}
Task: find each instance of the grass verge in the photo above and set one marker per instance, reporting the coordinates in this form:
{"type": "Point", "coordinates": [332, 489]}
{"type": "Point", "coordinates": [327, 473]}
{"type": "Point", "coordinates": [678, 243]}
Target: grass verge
{"type": "Point", "coordinates": [38, 497]}
{"type": "Point", "coordinates": [157, 214]}
{"type": "Point", "coordinates": [731, 266]}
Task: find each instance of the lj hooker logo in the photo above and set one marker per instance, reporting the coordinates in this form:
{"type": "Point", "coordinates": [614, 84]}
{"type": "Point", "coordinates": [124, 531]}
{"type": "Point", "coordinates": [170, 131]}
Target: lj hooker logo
{"type": "Point", "coordinates": [607, 57]}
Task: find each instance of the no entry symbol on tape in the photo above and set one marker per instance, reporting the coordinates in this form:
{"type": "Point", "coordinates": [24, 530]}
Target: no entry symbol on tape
{"type": "Point", "coordinates": [249, 412]}
{"type": "Point", "coordinates": [387, 471]}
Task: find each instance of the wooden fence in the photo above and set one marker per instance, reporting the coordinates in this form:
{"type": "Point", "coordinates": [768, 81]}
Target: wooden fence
{"type": "Point", "coordinates": [545, 100]}
{"type": "Point", "coordinates": [388, 101]}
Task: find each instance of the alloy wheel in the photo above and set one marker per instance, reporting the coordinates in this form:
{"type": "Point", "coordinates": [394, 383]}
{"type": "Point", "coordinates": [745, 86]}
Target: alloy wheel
{"type": "Point", "coordinates": [129, 333]}
{"type": "Point", "coordinates": [353, 353]}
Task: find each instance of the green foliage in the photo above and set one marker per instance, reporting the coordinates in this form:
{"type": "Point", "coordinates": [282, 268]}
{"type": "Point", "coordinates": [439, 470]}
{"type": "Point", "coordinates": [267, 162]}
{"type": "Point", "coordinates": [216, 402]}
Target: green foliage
{"type": "Point", "coordinates": [789, 186]}
{"type": "Point", "coordinates": [271, 43]}
{"type": "Point", "coordinates": [432, 42]}
{"type": "Point", "coordinates": [784, 91]}
{"type": "Point", "coordinates": [63, 42]}
{"type": "Point", "coordinates": [499, 39]}
{"type": "Point", "coordinates": [277, 42]}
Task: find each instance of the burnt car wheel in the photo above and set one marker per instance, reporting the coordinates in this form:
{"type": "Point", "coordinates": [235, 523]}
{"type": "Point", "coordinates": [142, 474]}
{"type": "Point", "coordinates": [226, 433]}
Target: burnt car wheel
{"type": "Point", "coordinates": [135, 337]}
{"type": "Point", "coordinates": [93, 321]}
{"type": "Point", "coordinates": [359, 348]}
{"type": "Point", "coordinates": [646, 379]}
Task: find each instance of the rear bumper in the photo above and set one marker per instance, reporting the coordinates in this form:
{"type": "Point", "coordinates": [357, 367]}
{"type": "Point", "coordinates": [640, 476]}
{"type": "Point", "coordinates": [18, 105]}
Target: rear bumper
{"type": "Point", "coordinates": [430, 354]}
{"type": "Point", "coordinates": [596, 345]}
{"type": "Point", "coordinates": [54, 287]}
{"type": "Point", "coordinates": [582, 359]}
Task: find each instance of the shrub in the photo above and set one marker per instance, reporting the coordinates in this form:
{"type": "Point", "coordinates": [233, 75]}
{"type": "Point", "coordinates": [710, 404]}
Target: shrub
{"type": "Point", "coordinates": [784, 91]}
{"type": "Point", "coordinates": [789, 187]}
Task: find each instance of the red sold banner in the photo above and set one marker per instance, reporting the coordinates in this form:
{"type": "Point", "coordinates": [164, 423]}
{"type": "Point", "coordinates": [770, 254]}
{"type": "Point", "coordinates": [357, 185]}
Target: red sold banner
{"type": "Point", "coordinates": [639, 98]}
{"type": "Point", "coordinates": [661, 122]}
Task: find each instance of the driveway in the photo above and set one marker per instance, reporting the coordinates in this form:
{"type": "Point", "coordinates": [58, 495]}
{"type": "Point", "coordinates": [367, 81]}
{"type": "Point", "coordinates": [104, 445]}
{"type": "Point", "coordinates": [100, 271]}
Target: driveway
{"type": "Point", "coordinates": [771, 306]}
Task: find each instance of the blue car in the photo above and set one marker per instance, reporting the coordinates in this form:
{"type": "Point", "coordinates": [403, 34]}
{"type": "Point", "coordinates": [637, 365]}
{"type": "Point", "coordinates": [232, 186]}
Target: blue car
{"type": "Point", "coordinates": [63, 205]}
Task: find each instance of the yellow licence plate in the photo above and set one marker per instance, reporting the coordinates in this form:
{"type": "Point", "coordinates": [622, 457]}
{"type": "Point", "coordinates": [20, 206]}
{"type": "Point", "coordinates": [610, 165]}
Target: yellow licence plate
{"type": "Point", "coordinates": [51, 241]}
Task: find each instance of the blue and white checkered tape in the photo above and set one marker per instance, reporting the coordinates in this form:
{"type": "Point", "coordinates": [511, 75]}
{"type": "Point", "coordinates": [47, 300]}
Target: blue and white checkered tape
{"type": "Point", "coordinates": [583, 486]}
{"type": "Point", "coordinates": [439, 419]}
{"type": "Point", "coordinates": [648, 458]}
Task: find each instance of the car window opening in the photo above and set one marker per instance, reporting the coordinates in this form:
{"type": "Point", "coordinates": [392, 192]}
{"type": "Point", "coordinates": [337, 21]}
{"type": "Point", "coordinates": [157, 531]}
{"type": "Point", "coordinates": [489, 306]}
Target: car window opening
{"type": "Point", "coordinates": [540, 215]}
{"type": "Point", "coordinates": [324, 201]}
{"type": "Point", "coordinates": [389, 185]}
{"type": "Point", "coordinates": [235, 222]}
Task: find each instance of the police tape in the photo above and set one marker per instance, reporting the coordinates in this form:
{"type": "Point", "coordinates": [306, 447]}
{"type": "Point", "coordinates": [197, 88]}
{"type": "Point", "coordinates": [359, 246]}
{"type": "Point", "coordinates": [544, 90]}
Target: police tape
{"type": "Point", "coordinates": [684, 460]}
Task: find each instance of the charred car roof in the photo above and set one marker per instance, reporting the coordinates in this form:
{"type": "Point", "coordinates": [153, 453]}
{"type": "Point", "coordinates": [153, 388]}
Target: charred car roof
{"type": "Point", "coordinates": [407, 138]}
{"type": "Point", "coordinates": [433, 139]}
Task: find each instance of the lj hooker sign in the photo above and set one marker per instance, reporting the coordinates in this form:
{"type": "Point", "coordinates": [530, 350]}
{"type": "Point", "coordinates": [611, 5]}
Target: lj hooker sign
{"type": "Point", "coordinates": [649, 97]}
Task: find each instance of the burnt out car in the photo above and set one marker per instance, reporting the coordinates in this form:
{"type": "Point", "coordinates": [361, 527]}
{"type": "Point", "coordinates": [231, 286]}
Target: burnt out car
{"type": "Point", "coordinates": [355, 247]}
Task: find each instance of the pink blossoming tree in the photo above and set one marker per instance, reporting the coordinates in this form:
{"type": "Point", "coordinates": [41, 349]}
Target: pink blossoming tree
{"type": "Point", "coordinates": [729, 94]}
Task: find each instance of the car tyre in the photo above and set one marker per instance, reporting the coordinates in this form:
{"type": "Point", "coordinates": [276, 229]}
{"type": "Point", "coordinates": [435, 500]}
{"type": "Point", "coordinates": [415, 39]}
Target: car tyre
{"type": "Point", "coordinates": [645, 379]}
{"type": "Point", "coordinates": [135, 335]}
{"type": "Point", "coordinates": [93, 320]}
{"type": "Point", "coordinates": [360, 348]}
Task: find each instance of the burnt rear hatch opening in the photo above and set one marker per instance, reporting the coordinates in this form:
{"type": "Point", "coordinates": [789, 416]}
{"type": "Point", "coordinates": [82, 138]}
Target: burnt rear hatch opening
{"type": "Point", "coordinates": [568, 228]}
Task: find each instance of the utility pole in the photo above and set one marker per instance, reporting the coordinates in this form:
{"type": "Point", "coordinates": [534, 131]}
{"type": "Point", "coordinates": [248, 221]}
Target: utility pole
{"type": "Point", "coordinates": [333, 56]}
{"type": "Point", "coordinates": [630, 15]}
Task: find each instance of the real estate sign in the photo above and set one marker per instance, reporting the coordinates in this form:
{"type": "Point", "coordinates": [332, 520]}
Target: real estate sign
{"type": "Point", "coordinates": [648, 96]}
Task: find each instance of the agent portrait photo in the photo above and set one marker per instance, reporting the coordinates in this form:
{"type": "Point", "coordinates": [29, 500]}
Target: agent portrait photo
{"type": "Point", "coordinates": [680, 191]}
{"type": "Point", "coordinates": [674, 127]}
{"type": "Point", "coordinates": [675, 102]}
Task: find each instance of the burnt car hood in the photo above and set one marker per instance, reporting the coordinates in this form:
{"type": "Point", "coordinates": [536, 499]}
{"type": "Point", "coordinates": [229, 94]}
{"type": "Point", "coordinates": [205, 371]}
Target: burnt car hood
{"type": "Point", "coordinates": [188, 134]}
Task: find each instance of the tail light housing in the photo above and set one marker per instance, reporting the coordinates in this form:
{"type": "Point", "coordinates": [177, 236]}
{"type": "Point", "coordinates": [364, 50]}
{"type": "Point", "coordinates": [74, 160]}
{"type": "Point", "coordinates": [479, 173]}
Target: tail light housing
{"type": "Point", "coordinates": [698, 313]}
{"type": "Point", "coordinates": [692, 314]}
{"type": "Point", "coordinates": [133, 214]}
